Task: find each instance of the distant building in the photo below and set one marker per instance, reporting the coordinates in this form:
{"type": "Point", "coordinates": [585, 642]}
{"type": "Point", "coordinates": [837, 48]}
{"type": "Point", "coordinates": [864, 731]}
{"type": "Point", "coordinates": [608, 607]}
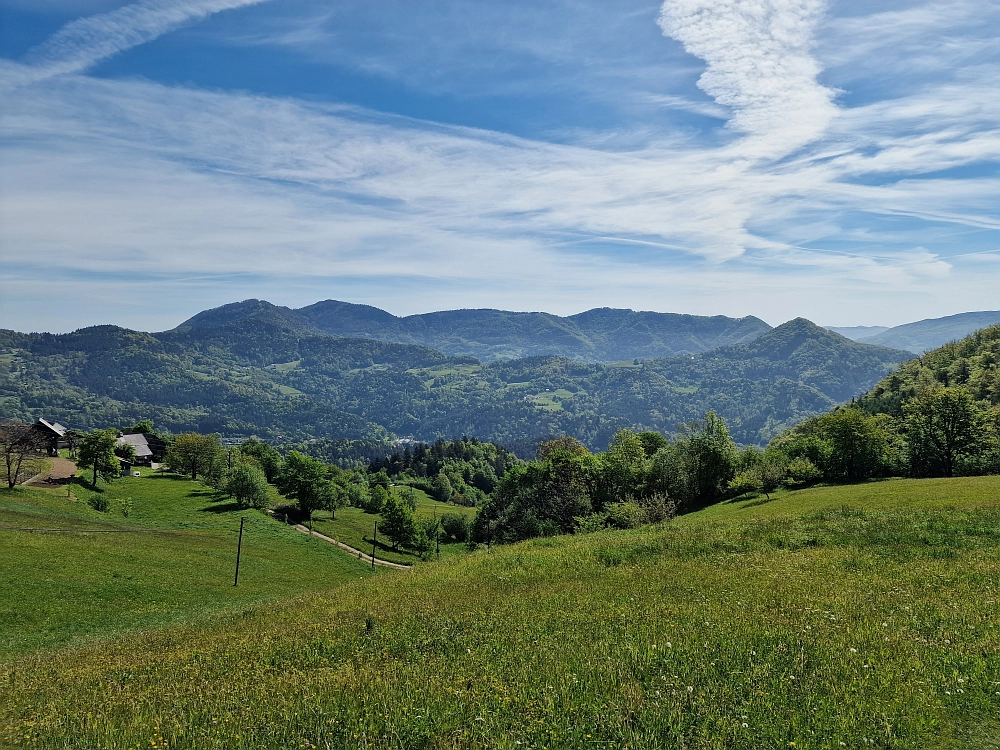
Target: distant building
{"type": "Point", "coordinates": [54, 435]}
{"type": "Point", "coordinates": [148, 447]}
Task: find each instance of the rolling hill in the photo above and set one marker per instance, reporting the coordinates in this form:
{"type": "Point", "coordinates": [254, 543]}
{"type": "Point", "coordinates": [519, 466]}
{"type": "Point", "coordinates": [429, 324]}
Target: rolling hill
{"type": "Point", "coordinates": [850, 616]}
{"type": "Point", "coordinates": [268, 374]}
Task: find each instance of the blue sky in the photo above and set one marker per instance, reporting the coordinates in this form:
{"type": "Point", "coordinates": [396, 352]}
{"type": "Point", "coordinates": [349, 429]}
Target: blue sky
{"type": "Point", "coordinates": [778, 158]}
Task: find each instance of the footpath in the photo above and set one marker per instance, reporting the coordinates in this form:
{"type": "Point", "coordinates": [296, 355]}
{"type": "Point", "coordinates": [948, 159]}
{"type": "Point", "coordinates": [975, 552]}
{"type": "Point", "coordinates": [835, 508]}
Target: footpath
{"type": "Point", "coordinates": [356, 552]}
{"type": "Point", "coordinates": [62, 470]}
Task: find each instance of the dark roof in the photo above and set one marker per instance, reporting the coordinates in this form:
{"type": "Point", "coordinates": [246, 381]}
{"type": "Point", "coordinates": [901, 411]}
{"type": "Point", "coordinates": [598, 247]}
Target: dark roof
{"type": "Point", "coordinates": [54, 427]}
{"type": "Point", "coordinates": [138, 442]}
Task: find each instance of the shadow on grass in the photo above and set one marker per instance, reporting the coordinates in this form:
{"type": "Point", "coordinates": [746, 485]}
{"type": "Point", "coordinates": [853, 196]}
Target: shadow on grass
{"type": "Point", "coordinates": [222, 508]}
{"type": "Point", "coordinates": [172, 477]}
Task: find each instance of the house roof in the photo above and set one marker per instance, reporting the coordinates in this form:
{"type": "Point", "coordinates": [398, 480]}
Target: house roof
{"type": "Point", "coordinates": [138, 442]}
{"type": "Point", "coordinates": [54, 427]}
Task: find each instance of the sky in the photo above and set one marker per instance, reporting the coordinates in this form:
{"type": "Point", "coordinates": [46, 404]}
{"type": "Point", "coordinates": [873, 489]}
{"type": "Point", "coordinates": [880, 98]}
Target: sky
{"type": "Point", "coordinates": [780, 158]}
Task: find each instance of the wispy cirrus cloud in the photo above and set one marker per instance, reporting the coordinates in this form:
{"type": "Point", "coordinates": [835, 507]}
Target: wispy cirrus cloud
{"type": "Point", "coordinates": [86, 41]}
{"type": "Point", "coordinates": [802, 205]}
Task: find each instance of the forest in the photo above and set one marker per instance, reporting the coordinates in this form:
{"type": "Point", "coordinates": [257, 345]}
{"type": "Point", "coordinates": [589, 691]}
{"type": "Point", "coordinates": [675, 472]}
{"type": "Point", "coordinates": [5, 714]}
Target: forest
{"type": "Point", "coordinates": [268, 377]}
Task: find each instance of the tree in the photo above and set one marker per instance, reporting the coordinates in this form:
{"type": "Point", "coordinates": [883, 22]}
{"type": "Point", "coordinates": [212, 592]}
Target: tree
{"type": "Point", "coordinates": [565, 444]}
{"type": "Point", "coordinates": [710, 458]}
{"type": "Point", "coordinates": [266, 455]}
{"type": "Point", "coordinates": [442, 487]}
{"type": "Point", "coordinates": [125, 451]}
{"type": "Point", "coordinates": [942, 428]}
{"type": "Point", "coordinates": [623, 467]}
{"type": "Point", "coordinates": [398, 523]}
{"type": "Point", "coordinates": [143, 426]}
{"type": "Point", "coordinates": [97, 451]}
{"type": "Point", "coordinates": [652, 442]}
{"type": "Point", "coordinates": [378, 496]}
{"type": "Point", "coordinates": [304, 480]}
{"type": "Point", "coordinates": [858, 444]}
{"type": "Point", "coordinates": [20, 444]}
{"type": "Point", "coordinates": [247, 484]}
{"type": "Point", "coordinates": [193, 453]}
{"type": "Point", "coordinates": [455, 526]}
{"type": "Point", "coordinates": [337, 498]}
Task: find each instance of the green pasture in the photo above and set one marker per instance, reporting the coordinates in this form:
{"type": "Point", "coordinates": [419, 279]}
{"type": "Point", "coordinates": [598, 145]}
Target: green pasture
{"type": "Point", "coordinates": [174, 563]}
{"type": "Point", "coordinates": [354, 527]}
{"type": "Point", "coordinates": [858, 616]}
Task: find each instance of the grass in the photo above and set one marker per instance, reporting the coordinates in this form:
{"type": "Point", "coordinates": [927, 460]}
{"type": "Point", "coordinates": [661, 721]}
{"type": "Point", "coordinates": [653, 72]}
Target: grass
{"type": "Point", "coordinates": [354, 527]}
{"type": "Point", "coordinates": [859, 617]}
{"type": "Point", "coordinates": [176, 562]}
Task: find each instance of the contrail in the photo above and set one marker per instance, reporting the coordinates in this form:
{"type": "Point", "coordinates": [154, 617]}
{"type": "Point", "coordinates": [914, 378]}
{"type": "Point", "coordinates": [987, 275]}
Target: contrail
{"type": "Point", "coordinates": [81, 43]}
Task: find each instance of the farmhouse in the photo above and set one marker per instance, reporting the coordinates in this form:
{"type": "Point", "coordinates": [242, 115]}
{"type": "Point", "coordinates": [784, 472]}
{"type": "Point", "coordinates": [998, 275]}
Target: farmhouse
{"type": "Point", "coordinates": [148, 447]}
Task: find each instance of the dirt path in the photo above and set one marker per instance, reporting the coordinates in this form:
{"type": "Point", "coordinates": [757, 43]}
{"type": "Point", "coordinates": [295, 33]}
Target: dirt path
{"type": "Point", "coordinates": [356, 552]}
{"type": "Point", "coordinates": [61, 472]}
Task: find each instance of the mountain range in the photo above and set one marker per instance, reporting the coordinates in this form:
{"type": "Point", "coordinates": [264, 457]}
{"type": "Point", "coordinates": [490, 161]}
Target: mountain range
{"type": "Point", "coordinates": [255, 368]}
{"type": "Point", "coordinates": [922, 335]}
{"type": "Point", "coordinates": [599, 335]}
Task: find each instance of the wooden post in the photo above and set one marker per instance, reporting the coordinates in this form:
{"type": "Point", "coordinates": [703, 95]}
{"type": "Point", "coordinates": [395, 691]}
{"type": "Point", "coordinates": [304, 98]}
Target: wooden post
{"type": "Point", "coordinates": [437, 532]}
{"type": "Point", "coordinates": [239, 549]}
{"type": "Point", "coordinates": [374, 542]}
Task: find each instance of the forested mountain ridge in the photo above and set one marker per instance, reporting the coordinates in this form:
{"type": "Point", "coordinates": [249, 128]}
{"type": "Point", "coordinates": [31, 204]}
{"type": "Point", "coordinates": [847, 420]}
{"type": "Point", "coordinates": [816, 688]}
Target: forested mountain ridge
{"type": "Point", "coordinates": [599, 335]}
{"type": "Point", "coordinates": [269, 376]}
{"type": "Point", "coordinates": [971, 365]}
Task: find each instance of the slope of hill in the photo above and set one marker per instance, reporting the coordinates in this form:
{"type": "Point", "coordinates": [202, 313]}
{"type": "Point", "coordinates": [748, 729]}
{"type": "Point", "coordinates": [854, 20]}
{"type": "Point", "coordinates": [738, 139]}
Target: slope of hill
{"type": "Point", "coordinates": [600, 335]}
{"type": "Point", "coordinates": [971, 365]}
{"type": "Point", "coordinates": [924, 335]}
{"type": "Point", "coordinates": [832, 617]}
{"type": "Point", "coordinates": [263, 375]}
{"type": "Point", "coordinates": [170, 560]}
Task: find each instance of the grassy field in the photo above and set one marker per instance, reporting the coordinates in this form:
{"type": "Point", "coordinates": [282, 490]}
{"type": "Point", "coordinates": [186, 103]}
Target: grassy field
{"type": "Point", "coordinates": [172, 559]}
{"type": "Point", "coordinates": [859, 617]}
{"type": "Point", "coordinates": [354, 527]}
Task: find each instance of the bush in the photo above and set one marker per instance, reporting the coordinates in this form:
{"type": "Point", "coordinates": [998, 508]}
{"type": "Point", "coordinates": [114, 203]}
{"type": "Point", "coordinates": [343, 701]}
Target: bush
{"type": "Point", "coordinates": [625, 515]}
{"type": "Point", "coordinates": [659, 508]}
{"type": "Point", "coordinates": [248, 484]}
{"type": "Point", "coordinates": [802, 471]}
{"type": "Point", "coordinates": [99, 503]}
{"type": "Point", "coordinates": [456, 526]}
{"type": "Point", "coordinates": [745, 483]}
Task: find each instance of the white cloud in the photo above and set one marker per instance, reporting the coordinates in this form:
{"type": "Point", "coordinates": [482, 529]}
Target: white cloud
{"type": "Point", "coordinates": [793, 214]}
{"type": "Point", "coordinates": [759, 62]}
{"type": "Point", "coordinates": [83, 42]}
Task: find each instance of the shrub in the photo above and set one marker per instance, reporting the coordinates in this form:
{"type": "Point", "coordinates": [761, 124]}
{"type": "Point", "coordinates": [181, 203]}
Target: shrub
{"type": "Point", "coordinates": [99, 503]}
{"type": "Point", "coordinates": [625, 515]}
{"type": "Point", "coordinates": [802, 471]}
{"type": "Point", "coordinates": [456, 526]}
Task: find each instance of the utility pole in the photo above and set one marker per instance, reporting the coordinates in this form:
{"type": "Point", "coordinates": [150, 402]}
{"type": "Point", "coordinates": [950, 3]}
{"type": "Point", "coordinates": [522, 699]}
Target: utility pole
{"type": "Point", "coordinates": [437, 532]}
{"type": "Point", "coordinates": [374, 542]}
{"type": "Point", "coordinates": [239, 549]}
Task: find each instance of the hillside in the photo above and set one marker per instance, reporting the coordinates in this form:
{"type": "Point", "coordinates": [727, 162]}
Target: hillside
{"type": "Point", "coordinates": [599, 335]}
{"type": "Point", "coordinates": [170, 560]}
{"type": "Point", "coordinates": [831, 617]}
{"type": "Point", "coordinates": [971, 365]}
{"type": "Point", "coordinates": [924, 335]}
{"type": "Point", "coordinates": [264, 375]}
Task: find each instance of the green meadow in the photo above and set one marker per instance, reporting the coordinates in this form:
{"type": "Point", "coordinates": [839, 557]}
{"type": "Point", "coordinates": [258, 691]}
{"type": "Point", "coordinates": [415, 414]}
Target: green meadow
{"type": "Point", "coordinates": [860, 616]}
{"type": "Point", "coordinates": [171, 560]}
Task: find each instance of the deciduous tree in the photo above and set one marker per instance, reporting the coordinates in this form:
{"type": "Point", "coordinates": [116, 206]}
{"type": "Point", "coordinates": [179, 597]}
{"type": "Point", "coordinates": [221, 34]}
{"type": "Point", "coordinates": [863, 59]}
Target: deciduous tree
{"type": "Point", "coordinates": [20, 444]}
